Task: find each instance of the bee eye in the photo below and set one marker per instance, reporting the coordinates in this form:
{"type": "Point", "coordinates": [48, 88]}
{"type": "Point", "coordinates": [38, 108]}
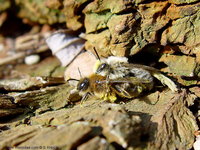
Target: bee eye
{"type": "Point", "coordinates": [83, 85]}
{"type": "Point", "coordinates": [101, 67]}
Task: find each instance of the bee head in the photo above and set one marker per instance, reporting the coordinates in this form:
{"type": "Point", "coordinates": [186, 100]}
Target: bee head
{"type": "Point", "coordinates": [83, 85]}
{"type": "Point", "coordinates": [101, 68]}
{"type": "Point", "coordinates": [104, 67]}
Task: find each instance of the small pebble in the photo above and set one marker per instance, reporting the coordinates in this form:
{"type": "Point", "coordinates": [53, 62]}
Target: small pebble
{"type": "Point", "coordinates": [1, 47]}
{"type": "Point", "coordinates": [32, 59]}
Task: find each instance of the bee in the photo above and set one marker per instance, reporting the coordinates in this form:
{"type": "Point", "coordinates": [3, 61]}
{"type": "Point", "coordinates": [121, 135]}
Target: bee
{"type": "Point", "coordinates": [114, 77]}
{"type": "Point", "coordinates": [95, 85]}
{"type": "Point", "coordinates": [118, 67]}
{"type": "Point", "coordinates": [110, 89]}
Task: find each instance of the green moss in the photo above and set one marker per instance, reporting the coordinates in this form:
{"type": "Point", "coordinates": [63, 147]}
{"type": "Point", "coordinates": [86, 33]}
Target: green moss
{"type": "Point", "coordinates": [4, 4]}
{"type": "Point", "coordinates": [97, 21]}
{"type": "Point", "coordinates": [37, 11]}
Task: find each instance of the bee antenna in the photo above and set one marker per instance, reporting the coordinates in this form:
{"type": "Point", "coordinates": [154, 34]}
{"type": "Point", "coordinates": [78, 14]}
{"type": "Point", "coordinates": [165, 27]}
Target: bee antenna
{"type": "Point", "coordinates": [73, 79]}
{"type": "Point", "coordinates": [97, 54]}
{"type": "Point", "coordinates": [79, 73]}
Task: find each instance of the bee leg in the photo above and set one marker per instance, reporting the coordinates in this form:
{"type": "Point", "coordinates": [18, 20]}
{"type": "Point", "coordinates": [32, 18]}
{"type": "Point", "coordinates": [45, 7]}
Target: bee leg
{"type": "Point", "coordinates": [107, 82]}
{"type": "Point", "coordinates": [84, 98]}
{"type": "Point", "coordinates": [105, 97]}
{"type": "Point", "coordinates": [109, 94]}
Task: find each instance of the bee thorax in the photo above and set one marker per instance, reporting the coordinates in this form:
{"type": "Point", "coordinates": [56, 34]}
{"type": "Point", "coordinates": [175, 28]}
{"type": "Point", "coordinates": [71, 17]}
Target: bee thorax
{"type": "Point", "coordinates": [119, 72]}
{"type": "Point", "coordinates": [112, 60]}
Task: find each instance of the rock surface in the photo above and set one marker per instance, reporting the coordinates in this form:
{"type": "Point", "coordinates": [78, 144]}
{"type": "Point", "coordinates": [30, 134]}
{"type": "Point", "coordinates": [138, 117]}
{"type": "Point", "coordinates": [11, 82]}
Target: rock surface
{"type": "Point", "coordinates": [43, 12]}
{"type": "Point", "coordinates": [153, 118]}
{"type": "Point", "coordinates": [125, 28]}
{"type": "Point", "coordinates": [38, 110]}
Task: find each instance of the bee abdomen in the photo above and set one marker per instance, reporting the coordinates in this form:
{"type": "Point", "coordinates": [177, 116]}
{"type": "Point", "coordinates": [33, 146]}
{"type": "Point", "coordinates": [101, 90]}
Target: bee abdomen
{"type": "Point", "coordinates": [141, 74]}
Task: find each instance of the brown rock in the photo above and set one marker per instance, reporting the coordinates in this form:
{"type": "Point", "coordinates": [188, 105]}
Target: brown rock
{"type": "Point", "coordinates": [123, 34]}
{"type": "Point", "coordinates": [180, 65]}
{"type": "Point", "coordinates": [107, 31]}
{"type": "Point", "coordinates": [41, 69]}
{"type": "Point", "coordinates": [125, 28]}
{"type": "Point", "coordinates": [29, 83]}
{"type": "Point", "coordinates": [96, 143]}
{"type": "Point", "coordinates": [73, 13]}
{"type": "Point", "coordinates": [120, 128]}
{"type": "Point", "coordinates": [100, 41]}
{"type": "Point", "coordinates": [7, 102]}
{"type": "Point", "coordinates": [166, 119]}
{"type": "Point", "coordinates": [195, 90]}
{"type": "Point", "coordinates": [185, 30]}
{"type": "Point", "coordinates": [117, 40]}
{"type": "Point", "coordinates": [8, 107]}
{"type": "Point", "coordinates": [11, 112]}
{"type": "Point", "coordinates": [153, 19]}
{"type": "Point", "coordinates": [62, 137]}
{"type": "Point", "coordinates": [54, 4]}
{"type": "Point", "coordinates": [175, 12]}
{"type": "Point", "coordinates": [37, 11]}
{"type": "Point", "coordinates": [157, 120]}
{"type": "Point", "coordinates": [182, 1]}
{"type": "Point", "coordinates": [117, 125]}
{"type": "Point", "coordinates": [12, 138]}
{"type": "Point", "coordinates": [43, 99]}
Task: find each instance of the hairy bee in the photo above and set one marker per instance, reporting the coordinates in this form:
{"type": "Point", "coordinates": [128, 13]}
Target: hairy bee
{"type": "Point", "coordinates": [115, 77]}
{"type": "Point", "coordinates": [95, 85]}
{"type": "Point", "coordinates": [118, 67]}
{"type": "Point", "coordinates": [110, 89]}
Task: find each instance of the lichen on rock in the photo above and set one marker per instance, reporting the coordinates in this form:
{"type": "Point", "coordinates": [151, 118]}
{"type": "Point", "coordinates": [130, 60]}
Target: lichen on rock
{"type": "Point", "coordinates": [37, 11]}
{"type": "Point", "coordinates": [184, 30]}
{"type": "Point", "coordinates": [125, 28]}
{"type": "Point", "coordinates": [39, 108]}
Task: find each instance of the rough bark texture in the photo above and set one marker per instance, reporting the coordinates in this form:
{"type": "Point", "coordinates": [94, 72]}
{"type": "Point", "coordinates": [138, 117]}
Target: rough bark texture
{"type": "Point", "coordinates": [126, 27]}
{"type": "Point", "coordinates": [38, 110]}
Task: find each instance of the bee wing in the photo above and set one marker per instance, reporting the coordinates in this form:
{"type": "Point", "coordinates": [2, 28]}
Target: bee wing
{"type": "Point", "coordinates": [121, 91]}
{"type": "Point", "coordinates": [128, 87]}
{"type": "Point", "coordinates": [132, 80]}
{"type": "Point", "coordinates": [157, 74]}
{"type": "Point", "coordinates": [148, 68]}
